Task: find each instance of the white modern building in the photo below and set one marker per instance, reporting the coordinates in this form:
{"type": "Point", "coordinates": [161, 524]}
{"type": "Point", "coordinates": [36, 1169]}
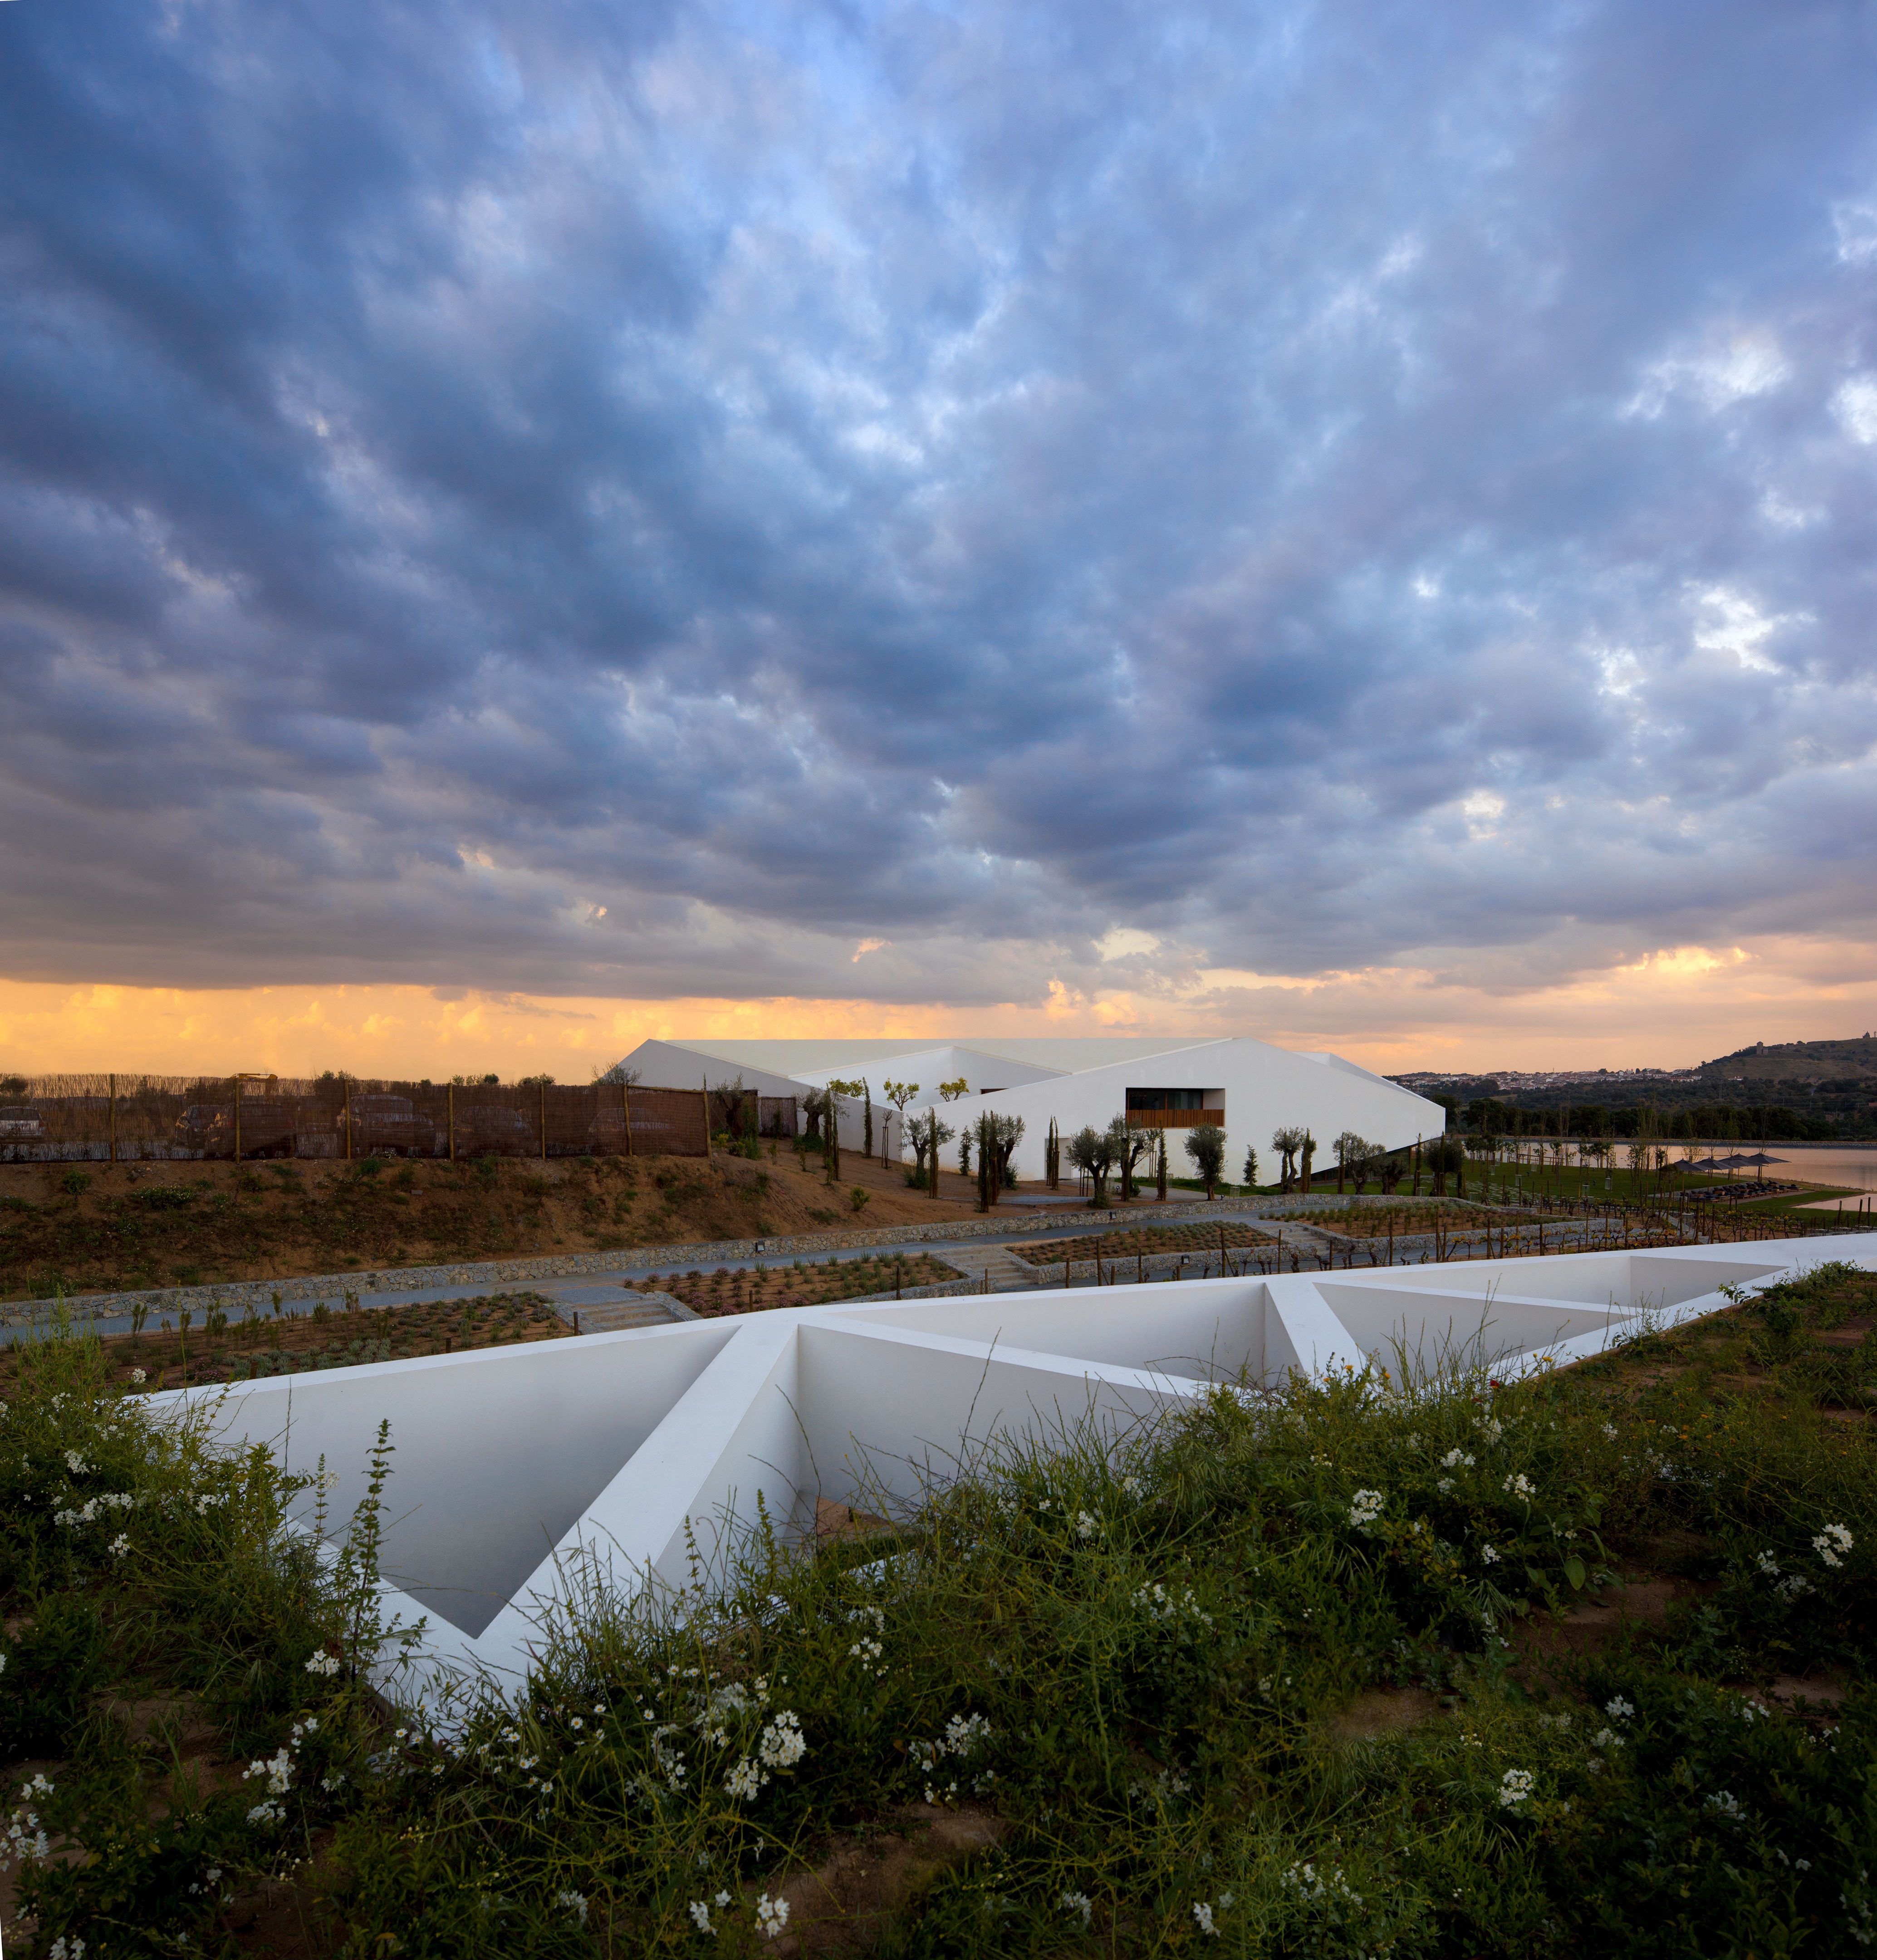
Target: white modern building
{"type": "Point", "coordinates": [1247, 1087]}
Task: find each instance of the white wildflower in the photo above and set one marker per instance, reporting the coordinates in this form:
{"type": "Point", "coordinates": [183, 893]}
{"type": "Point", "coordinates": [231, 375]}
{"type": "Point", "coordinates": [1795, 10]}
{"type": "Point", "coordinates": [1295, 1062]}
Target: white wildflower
{"type": "Point", "coordinates": [744, 1779]}
{"type": "Point", "coordinates": [1610, 1430]}
{"type": "Point", "coordinates": [1724, 1803]}
{"type": "Point", "coordinates": [782, 1746]}
{"type": "Point", "coordinates": [1365, 1507]}
{"type": "Point", "coordinates": [324, 1663]}
{"type": "Point", "coordinates": [1084, 1525]}
{"type": "Point", "coordinates": [1606, 1738]}
{"type": "Point", "coordinates": [1515, 1786]}
{"type": "Point", "coordinates": [700, 1912]}
{"type": "Point", "coordinates": [138, 1378]}
{"type": "Point", "coordinates": [1444, 1485]}
{"type": "Point", "coordinates": [1832, 1543]}
{"type": "Point", "coordinates": [1618, 1708]}
{"type": "Point", "coordinates": [1520, 1486]}
{"type": "Point", "coordinates": [1202, 1912]}
{"type": "Point", "coordinates": [278, 1769]}
{"type": "Point", "coordinates": [120, 1546]}
{"type": "Point", "coordinates": [1490, 1554]}
{"type": "Point", "coordinates": [964, 1733]}
{"type": "Point", "coordinates": [771, 1915]}
{"type": "Point", "coordinates": [574, 1902]}
{"type": "Point", "coordinates": [1456, 1459]}
{"type": "Point", "coordinates": [1492, 1429]}
{"type": "Point", "coordinates": [1079, 1902]}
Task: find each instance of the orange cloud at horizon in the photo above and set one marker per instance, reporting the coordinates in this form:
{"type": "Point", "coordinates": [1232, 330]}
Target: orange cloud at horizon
{"type": "Point", "coordinates": [1677, 1006]}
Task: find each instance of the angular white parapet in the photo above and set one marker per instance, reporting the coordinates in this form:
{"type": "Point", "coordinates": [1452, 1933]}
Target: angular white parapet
{"type": "Point", "coordinates": [515, 1467]}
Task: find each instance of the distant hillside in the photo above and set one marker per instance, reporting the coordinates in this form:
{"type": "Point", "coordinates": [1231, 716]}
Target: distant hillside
{"type": "Point", "coordinates": [1825, 1091]}
{"type": "Point", "coordinates": [1854, 1060]}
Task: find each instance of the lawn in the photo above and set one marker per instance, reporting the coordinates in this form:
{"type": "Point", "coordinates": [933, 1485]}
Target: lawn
{"type": "Point", "coordinates": [1577, 1666]}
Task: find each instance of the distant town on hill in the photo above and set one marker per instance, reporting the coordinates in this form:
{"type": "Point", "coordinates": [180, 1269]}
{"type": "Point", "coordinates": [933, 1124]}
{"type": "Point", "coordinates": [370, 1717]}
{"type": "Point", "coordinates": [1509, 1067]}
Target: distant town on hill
{"type": "Point", "coordinates": [1815, 1091]}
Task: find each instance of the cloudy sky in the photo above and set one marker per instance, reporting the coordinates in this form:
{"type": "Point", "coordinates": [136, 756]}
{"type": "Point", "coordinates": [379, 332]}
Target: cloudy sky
{"type": "Point", "coordinates": [1353, 522]}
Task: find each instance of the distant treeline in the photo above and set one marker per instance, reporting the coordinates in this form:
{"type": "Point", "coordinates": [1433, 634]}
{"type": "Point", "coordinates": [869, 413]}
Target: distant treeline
{"type": "Point", "coordinates": [1493, 1115]}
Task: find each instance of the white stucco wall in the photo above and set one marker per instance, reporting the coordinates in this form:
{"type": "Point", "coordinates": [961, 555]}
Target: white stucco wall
{"type": "Point", "coordinates": [1257, 1087]}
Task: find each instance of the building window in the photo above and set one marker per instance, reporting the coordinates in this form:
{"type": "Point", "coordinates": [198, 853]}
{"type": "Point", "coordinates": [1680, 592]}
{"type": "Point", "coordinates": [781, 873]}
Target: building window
{"type": "Point", "coordinates": [1166, 1098]}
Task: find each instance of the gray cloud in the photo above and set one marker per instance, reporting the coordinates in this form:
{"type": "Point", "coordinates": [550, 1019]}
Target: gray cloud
{"type": "Point", "coordinates": [1327, 486]}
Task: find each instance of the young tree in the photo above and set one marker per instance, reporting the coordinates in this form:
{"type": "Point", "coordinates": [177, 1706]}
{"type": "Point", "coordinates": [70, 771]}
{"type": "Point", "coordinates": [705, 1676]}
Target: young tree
{"type": "Point", "coordinates": [1251, 1168]}
{"type": "Point", "coordinates": [1306, 1150]}
{"type": "Point", "coordinates": [851, 1091]}
{"type": "Point", "coordinates": [1286, 1142]}
{"type": "Point", "coordinates": [1127, 1147]}
{"type": "Point", "coordinates": [1205, 1145]}
{"type": "Point", "coordinates": [1090, 1152]}
{"type": "Point", "coordinates": [927, 1135]}
{"type": "Point", "coordinates": [950, 1092]}
{"type": "Point", "coordinates": [1005, 1133]}
{"type": "Point", "coordinates": [1159, 1165]}
{"type": "Point", "coordinates": [726, 1106]}
{"type": "Point", "coordinates": [867, 1138]}
{"type": "Point", "coordinates": [899, 1094]}
{"type": "Point", "coordinates": [1351, 1149]}
{"type": "Point", "coordinates": [964, 1153]}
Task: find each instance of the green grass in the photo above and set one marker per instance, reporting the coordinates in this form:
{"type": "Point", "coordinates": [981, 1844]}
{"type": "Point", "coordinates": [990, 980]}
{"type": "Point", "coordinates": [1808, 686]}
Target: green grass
{"type": "Point", "coordinates": [1167, 1678]}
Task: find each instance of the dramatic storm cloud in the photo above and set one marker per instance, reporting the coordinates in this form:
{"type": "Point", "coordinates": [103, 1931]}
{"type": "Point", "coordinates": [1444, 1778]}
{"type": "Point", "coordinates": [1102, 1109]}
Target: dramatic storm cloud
{"type": "Point", "coordinates": [915, 503]}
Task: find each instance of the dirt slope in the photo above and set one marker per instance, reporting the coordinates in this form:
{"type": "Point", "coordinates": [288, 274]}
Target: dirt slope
{"type": "Point", "coordinates": [96, 1228]}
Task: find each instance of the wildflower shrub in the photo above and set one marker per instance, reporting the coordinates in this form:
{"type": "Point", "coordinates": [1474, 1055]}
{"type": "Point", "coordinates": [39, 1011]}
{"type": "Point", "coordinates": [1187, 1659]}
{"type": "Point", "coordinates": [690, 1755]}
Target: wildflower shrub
{"type": "Point", "coordinates": [1288, 1674]}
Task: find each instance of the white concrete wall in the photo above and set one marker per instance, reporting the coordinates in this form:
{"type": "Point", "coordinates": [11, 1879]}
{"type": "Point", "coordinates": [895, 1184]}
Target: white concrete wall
{"type": "Point", "coordinates": [671, 1065]}
{"type": "Point", "coordinates": [1265, 1088]}
{"type": "Point", "coordinates": [517, 1467]}
{"type": "Point", "coordinates": [1259, 1088]}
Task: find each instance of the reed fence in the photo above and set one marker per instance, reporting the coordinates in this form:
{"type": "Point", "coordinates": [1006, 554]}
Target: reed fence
{"type": "Point", "coordinates": [141, 1118]}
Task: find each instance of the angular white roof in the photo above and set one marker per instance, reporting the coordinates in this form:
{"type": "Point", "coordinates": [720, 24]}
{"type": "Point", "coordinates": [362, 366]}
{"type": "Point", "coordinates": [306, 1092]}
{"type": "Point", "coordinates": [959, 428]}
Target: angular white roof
{"type": "Point", "coordinates": [1064, 1055]}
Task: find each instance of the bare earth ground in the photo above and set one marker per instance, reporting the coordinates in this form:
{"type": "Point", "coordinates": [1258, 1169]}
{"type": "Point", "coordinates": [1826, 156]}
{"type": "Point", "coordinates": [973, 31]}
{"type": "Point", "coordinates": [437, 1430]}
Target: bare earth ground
{"type": "Point", "coordinates": [100, 1228]}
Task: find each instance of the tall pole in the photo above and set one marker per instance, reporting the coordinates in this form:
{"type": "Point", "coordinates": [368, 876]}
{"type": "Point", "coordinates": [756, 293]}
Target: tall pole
{"type": "Point", "coordinates": [452, 1094]}
{"type": "Point", "coordinates": [625, 1110]}
{"type": "Point", "coordinates": [238, 1119]}
{"type": "Point", "coordinates": [543, 1088]}
{"type": "Point", "coordinates": [113, 1119]}
{"type": "Point", "coordinates": [348, 1119]}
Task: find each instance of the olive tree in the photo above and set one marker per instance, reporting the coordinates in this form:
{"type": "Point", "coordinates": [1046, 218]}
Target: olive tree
{"type": "Point", "coordinates": [1205, 1144]}
{"type": "Point", "coordinates": [1092, 1152]}
{"type": "Point", "coordinates": [927, 1135]}
{"type": "Point", "coordinates": [998, 1137]}
{"type": "Point", "coordinates": [1127, 1147]}
{"type": "Point", "coordinates": [1287, 1142]}
{"type": "Point", "coordinates": [898, 1094]}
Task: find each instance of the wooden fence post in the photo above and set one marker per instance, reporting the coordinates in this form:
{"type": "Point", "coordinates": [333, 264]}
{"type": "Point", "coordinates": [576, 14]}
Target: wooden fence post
{"type": "Point", "coordinates": [348, 1119]}
{"type": "Point", "coordinates": [238, 1119]}
{"type": "Point", "coordinates": [451, 1093]}
{"type": "Point", "coordinates": [543, 1087]}
{"type": "Point", "coordinates": [113, 1119]}
{"type": "Point", "coordinates": [626, 1109]}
